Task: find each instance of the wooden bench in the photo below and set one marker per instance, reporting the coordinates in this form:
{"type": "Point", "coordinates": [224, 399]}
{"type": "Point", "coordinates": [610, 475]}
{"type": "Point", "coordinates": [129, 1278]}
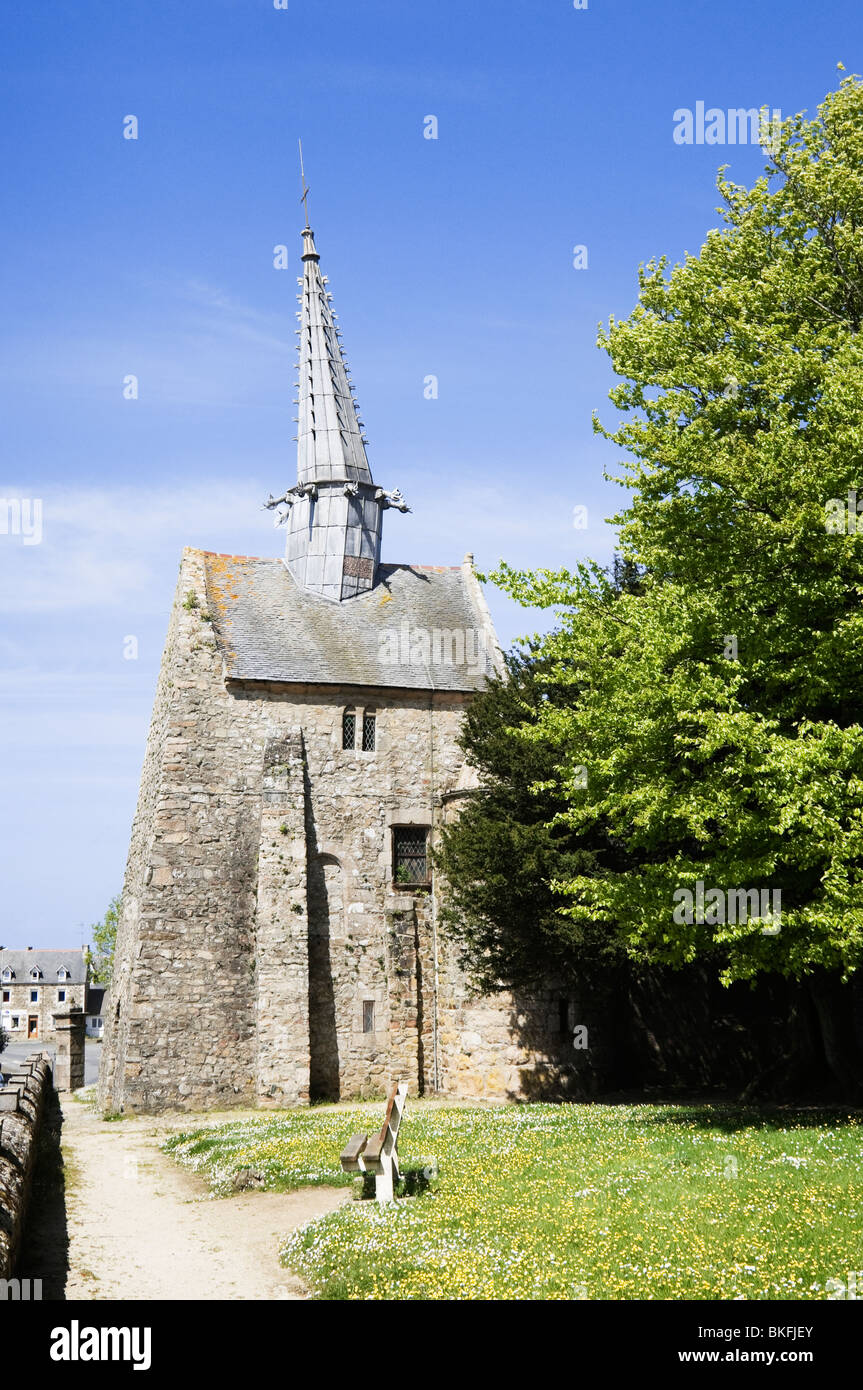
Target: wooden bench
{"type": "Point", "coordinates": [379, 1155]}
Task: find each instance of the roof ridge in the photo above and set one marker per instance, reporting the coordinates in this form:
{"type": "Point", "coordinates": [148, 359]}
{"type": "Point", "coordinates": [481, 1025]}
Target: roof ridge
{"type": "Point", "coordinates": [278, 560]}
{"type": "Point", "coordinates": [230, 555]}
{"type": "Point", "coordinates": [406, 565]}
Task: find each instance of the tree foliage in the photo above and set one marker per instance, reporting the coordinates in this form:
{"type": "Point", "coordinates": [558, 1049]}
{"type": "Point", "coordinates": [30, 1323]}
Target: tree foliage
{"type": "Point", "coordinates": [104, 935]}
{"type": "Point", "coordinates": [509, 844]}
{"type": "Point", "coordinates": [716, 704]}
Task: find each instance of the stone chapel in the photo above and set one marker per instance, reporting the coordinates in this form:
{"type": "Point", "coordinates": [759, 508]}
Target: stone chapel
{"type": "Point", "coordinates": [279, 938]}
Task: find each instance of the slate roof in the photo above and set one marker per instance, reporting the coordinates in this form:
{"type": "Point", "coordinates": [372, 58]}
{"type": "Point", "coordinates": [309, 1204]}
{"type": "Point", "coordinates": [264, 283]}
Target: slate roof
{"type": "Point", "coordinates": [48, 961]}
{"type": "Point", "coordinates": [269, 629]}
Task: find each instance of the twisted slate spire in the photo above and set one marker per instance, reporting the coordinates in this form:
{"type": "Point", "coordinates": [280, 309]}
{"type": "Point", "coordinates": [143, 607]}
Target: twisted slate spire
{"type": "Point", "coordinates": [335, 510]}
{"type": "Point", "coordinates": [330, 438]}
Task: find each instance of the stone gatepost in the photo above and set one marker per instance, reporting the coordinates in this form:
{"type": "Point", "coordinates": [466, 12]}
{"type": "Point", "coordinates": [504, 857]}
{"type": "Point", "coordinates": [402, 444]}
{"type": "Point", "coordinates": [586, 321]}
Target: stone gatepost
{"type": "Point", "coordinates": [69, 1062]}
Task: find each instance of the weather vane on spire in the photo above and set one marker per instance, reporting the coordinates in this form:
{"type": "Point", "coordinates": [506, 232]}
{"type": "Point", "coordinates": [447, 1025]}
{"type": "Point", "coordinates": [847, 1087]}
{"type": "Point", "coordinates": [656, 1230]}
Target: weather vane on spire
{"type": "Point", "coordinates": [304, 199]}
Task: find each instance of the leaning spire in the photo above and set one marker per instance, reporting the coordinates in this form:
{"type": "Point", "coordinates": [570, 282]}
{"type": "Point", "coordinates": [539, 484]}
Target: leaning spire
{"type": "Point", "coordinates": [335, 510]}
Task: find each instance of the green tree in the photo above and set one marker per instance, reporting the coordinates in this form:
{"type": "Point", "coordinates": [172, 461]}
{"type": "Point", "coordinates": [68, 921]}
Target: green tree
{"type": "Point", "coordinates": [104, 935]}
{"type": "Point", "coordinates": [717, 703]}
{"type": "Point", "coordinates": [509, 844]}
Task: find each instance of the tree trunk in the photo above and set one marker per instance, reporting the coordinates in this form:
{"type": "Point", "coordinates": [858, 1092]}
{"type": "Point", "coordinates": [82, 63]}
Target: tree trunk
{"type": "Point", "coordinates": [833, 1009]}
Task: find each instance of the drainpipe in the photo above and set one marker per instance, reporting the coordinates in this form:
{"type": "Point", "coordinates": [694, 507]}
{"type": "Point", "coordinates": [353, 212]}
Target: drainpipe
{"type": "Point", "coordinates": [435, 1050]}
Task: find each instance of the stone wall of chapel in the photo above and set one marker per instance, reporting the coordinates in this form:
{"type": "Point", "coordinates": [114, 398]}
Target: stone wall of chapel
{"type": "Point", "coordinates": [180, 1016]}
{"type": "Point", "coordinates": [183, 1026]}
{"type": "Point", "coordinates": [364, 948]}
{"type": "Point", "coordinates": [259, 912]}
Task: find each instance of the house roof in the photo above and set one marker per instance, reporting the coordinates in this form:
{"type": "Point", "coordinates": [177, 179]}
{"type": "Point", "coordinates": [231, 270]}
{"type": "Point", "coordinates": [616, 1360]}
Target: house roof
{"type": "Point", "coordinates": [421, 627]}
{"type": "Point", "coordinates": [48, 960]}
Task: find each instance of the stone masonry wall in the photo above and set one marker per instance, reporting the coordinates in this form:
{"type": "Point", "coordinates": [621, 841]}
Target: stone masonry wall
{"type": "Point", "coordinates": [180, 1017]}
{"type": "Point", "coordinates": [282, 931]}
{"type": "Point", "coordinates": [246, 951]}
{"type": "Point", "coordinates": [365, 940]}
{"type": "Point", "coordinates": [22, 1103]}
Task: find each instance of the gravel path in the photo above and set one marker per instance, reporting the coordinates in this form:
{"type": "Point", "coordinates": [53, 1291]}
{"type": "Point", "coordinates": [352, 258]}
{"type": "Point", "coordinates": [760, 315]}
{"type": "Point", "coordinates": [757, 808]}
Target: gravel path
{"type": "Point", "coordinates": [141, 1227]}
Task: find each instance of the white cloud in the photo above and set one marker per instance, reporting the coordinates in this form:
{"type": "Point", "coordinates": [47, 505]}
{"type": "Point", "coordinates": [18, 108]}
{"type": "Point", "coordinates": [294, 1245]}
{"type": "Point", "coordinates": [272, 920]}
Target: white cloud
{"type": "Point", "coordinates": [114, 548]}
{"type": "Point", "coordinates": [118, 548]}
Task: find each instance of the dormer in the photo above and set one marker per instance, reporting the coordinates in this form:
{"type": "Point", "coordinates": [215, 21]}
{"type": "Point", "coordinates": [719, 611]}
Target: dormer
{"type": "Point", "coordinates": [7, 975]}
{"type": "Point", "coordinates": [63, 973]}
{"type": "Point", "coordinates": [35, 973]}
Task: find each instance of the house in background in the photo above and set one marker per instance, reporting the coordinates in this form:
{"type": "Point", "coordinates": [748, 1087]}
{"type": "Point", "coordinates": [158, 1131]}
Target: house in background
{"type": "Point", "coordinates": [35, 984]}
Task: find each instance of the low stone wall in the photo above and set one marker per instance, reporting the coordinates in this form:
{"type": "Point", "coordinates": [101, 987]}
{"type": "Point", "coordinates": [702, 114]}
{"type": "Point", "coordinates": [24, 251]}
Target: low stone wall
{"type": "Point", "coordinates": [22, 1106]}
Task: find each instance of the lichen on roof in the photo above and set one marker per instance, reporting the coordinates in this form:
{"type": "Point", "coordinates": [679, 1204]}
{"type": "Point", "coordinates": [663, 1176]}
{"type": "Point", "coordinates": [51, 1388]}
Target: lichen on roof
{"type": "Point", "coordinates": [418, 628]}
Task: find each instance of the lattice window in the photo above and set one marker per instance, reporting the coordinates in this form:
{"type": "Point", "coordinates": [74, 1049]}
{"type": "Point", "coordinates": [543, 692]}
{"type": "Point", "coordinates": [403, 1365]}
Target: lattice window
{"type": "Point", "coordinates": [410, 854]}
{"type": "Point", "coordinates": [368, 733]}
{"type": "Point", "coordinates": [349, 730]}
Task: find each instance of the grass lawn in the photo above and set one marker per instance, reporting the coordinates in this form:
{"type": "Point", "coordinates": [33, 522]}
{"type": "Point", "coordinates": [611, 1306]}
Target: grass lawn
{"type": "Point", "coordinates": [569, 1201]}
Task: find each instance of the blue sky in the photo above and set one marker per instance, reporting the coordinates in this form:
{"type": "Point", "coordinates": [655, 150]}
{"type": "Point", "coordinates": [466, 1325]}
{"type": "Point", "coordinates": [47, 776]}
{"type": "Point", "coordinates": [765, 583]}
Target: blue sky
{"type": "Point", "coordinates": [451, 257]}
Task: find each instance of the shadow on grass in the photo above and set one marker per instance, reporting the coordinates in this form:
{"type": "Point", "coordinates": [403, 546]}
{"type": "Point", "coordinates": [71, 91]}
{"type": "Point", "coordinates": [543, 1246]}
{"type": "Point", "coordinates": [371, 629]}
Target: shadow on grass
{"type": "Point", "coordinates": [731, 1118]}
{"type": "Point", "coordinates": [414, 1181]}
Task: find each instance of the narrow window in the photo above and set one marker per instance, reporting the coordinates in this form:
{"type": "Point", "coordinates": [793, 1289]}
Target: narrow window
{"type": "Point", "coordinates": [563, 1016]}
{"type": "Point", "coordinates": [349, 729]}
{"type": "Point", "coordinates": [368, 733]}
{"type": "Point", "coordinates": [410, 861]}
{"type": "Point", "coordinates": [61, 996]}
{"type": "Point", "coordinates": [7, 996]}
{"type": "Point", "coordinates": [368, 1015]}
{"type": "Point", "coordinates": [34, 996]}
